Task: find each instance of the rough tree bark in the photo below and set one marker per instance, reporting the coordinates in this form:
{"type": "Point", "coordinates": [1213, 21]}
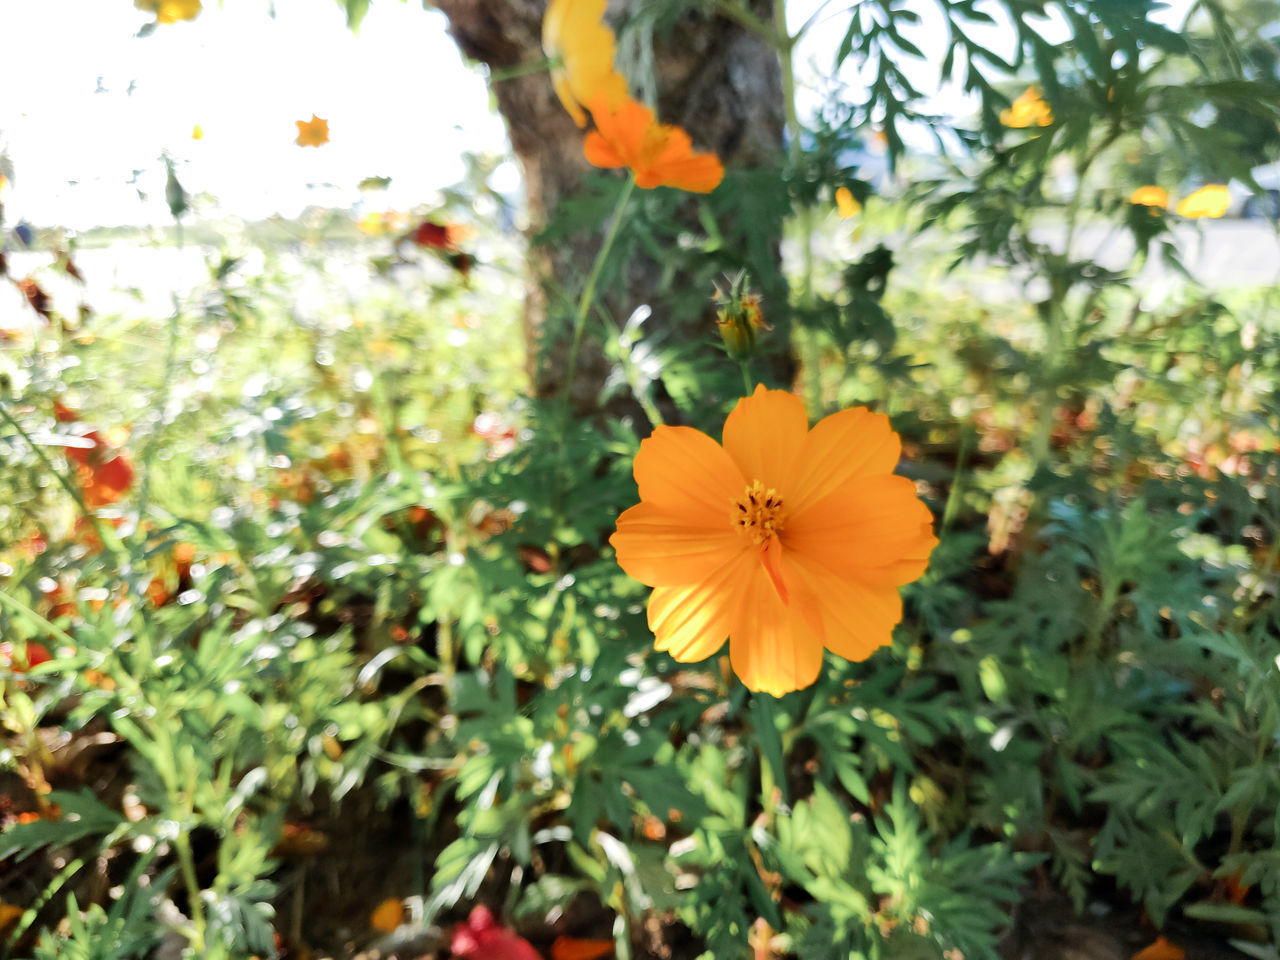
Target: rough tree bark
{"type": "Point", "coordinates": [719, 81]}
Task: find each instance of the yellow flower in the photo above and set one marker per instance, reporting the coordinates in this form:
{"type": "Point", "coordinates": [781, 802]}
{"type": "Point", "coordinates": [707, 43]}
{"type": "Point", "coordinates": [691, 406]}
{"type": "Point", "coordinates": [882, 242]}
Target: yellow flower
{"type": "Point", "coordinates": [1150, 197]}
{"type": "Point", "coordinates": [582, 50]}
{"type": "Point", "coordinates": [847, 204]}
{"type": "Point", "coordinates": [170, 11]}
{"type": "Point", "coordinates": [786, 540]}
{"type": "Point", "coordinates": [313, 132]}
{"type": "Point", "coordinates": [659, 155]}
{"type": "Point", "coordinates": [1210, 201]}
{"type": "Point", "coordinates": [1029, 110]}
{"type": "Point", "coordinates": [378, 222]}
{"type": "Point", "coordinates": [197, 132]}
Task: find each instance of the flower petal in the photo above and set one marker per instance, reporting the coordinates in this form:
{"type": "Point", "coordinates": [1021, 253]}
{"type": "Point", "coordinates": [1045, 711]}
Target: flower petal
{"type": "Point", "coordinates": [574, 34]}
{"type": "Point", "coordinates": [773, 647]}
{"type": "Point", "coordinates": [692, 622]}
{"type": "Point", "coordinates": [600, 153]}
{"type": "Point", "coordinates": [858, 616]}
{"type": "Point", "coordinates": [661, 549]}
{"type": "Point", "coordinates": [764, 434]}
{"type": "Point", "coordinates": [689, 474]}
{"type": "Point", "coordinates": [849, 444]}
{"type": "Point", "coordinates": [872, 528]}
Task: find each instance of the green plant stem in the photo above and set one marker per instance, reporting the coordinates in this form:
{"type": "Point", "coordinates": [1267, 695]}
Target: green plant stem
{"type": "Point", "coordinates": [20, 608]}
{"type": "Point", "coordinates": [747, 386]}
{"type": "Point", "coordinates": [524, 69]}
{"type": "Point", "coordinates": [187, 863]}
{"type": "Point", "coordinates": [952, 506]}
{"type": "Point", "coordinates": [589, 289]}
{"type": "Point", "coordinates": [764, 703]}
{"type": "Point", "coordinates": [171, 355]}
{"type": "Point", "coordinates": [107, 539]}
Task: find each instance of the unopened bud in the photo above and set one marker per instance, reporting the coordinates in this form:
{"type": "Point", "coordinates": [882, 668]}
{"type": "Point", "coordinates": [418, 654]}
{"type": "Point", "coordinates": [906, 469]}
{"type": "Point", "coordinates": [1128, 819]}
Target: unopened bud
{"type": "Point", "coordinates": [739, 317]}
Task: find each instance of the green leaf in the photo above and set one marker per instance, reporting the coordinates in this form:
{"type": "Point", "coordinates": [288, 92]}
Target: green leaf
{"type": "Point", "coordinates": [356, 9]}
{"type": "Point", "coordinates": [1225, 913]}
{"type": "Point", "coordinates": [83, 815]}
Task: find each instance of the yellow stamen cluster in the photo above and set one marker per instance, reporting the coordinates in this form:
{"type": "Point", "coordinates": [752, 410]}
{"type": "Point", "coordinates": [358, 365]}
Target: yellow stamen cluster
{"type": "Point", "coordinates": [758, 513]}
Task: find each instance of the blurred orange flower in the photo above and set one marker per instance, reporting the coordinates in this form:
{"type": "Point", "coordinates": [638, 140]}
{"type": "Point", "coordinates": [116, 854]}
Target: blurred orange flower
{"type": "Point", "coordinates": [170, 11]}
{"type": "Point", "coordinates": [1211, 201]}
{"type": "Point", "coordinates": [575, 948]}
{"type": "Point", "coordinates": [103, 478]}
{"type": "Point", "coordinates": [1150, 196]}
{"type": "Point", "coordinates": [9, 915]}
{"type": "Point", "coordinates": [313, 132]}
{"type": "Point", "coordinates": [1029, 110]}
{"type": "Point", "coordinates": [786, 540]}
{"type": "Point", "coordinates": [582, 50]}
{"type": "Point", "coordinates": [387, 915]}
{"type": "Point", "coordinates": [847, 204]}
{"type": "Point", "coordinates": [659, 155]}
{"type": "Point", "coordinates": [1161, 949]}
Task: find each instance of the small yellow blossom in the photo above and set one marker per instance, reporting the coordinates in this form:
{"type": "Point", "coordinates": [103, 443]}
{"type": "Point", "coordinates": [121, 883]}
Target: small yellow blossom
{"type": "Point", "coordinates": [197, 132]}
{"type": "Point", "coordinates": [1029, 110]}
{"type": "Point", "coordinates": [378, 222]}
{"type": "Point", "coordinates": [847, 204]}
{"type": "Point", "coordinates": [1211, 201]}
{"type": "Point", "coordinates": [313, 132]}
{"type": "Point", "coordinates": [1150, 196]}
{"type": "Point", "coordinates": [170, 11]}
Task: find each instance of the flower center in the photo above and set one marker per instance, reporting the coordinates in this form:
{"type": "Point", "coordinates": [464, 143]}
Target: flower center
{"type": "Point", "coordinates": [758, 513]}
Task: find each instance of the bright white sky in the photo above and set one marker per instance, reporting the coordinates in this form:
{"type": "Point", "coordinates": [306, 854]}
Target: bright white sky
{"type": "Point", "coordinates": [398, 98]}
{"type": "Point", "coordinates": [399, 102]}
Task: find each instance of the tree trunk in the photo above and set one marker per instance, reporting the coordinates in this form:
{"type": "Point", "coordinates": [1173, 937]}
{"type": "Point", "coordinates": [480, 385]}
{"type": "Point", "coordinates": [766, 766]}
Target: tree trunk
{"type": "Point", "coordinates": [713, 77]}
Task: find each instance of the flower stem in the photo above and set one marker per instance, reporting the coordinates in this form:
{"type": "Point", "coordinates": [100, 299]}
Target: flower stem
{"type": "Point", "coordinates": [589, 290]}
{"type": "Point", "coordinates": [523, 69]}
{"type": "Point", "coordinates": [745, 366]}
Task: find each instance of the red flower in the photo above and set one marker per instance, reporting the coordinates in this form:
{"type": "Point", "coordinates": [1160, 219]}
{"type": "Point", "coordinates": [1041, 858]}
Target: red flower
{"type": "Point", "coordinates": [437, 236]}
{"type": "Point", "coordinates": [103, 479]}
{"type": "Point", "coordinates": [480, 938]}
{"type": "Point", "coordinates": [37, 653]}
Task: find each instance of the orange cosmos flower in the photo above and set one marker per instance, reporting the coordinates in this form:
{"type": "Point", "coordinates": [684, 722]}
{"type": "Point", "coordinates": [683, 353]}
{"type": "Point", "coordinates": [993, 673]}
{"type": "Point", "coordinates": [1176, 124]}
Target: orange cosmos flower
{"type": "Point", "coordinates": [1211, 201]}
{"type": "Point", "coordinates": [313, 132]}
{"type": "Point", "coordinates": [582, 48]}
{"type": "Point", "coordinates": [1150, 196]}
{"type": "Point", "coordinates": [628, 135]}
{"type": "Point", "coordinates": [1029, 110]}
{"type": "Point", "coordinates": [786, 540]}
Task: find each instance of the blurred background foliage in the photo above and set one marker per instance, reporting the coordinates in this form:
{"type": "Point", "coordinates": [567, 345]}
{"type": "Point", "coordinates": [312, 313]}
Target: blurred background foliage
{"type": "Point", "coordinates": [306, 603]}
